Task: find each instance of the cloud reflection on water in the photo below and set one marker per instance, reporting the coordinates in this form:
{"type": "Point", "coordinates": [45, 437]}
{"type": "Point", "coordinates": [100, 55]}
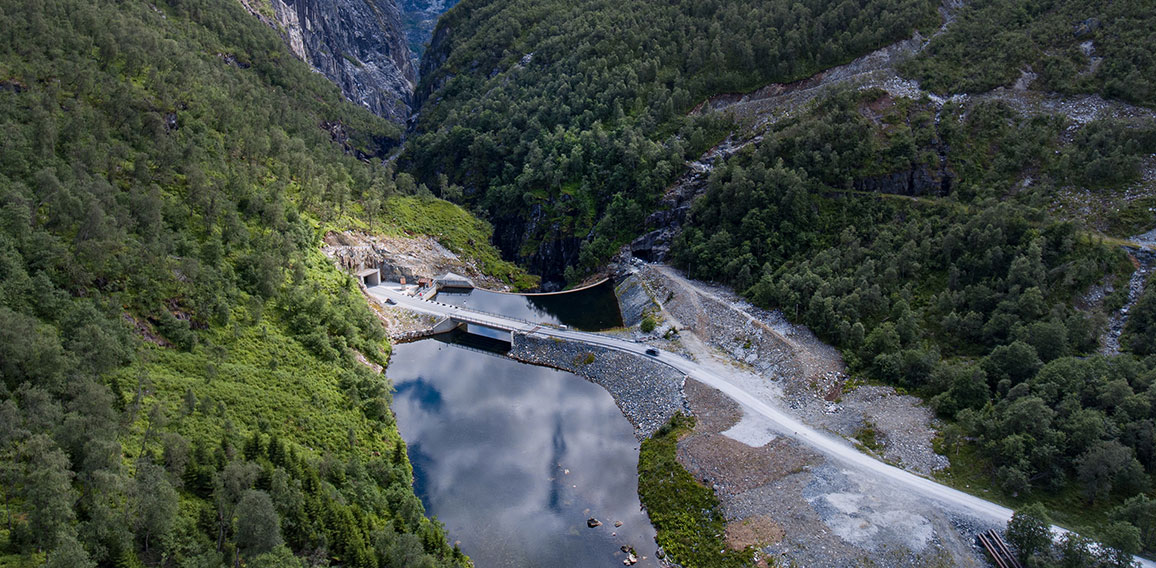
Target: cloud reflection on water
{"type": "Point", "coordinates": [494, 452]}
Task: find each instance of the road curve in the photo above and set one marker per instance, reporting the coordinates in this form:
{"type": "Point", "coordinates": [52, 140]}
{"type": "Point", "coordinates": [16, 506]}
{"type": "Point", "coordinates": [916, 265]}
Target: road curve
{"type": "Point", "coordinates": [831, 446]}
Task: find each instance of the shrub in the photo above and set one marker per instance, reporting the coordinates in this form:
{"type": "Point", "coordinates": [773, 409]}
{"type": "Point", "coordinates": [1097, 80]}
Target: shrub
{"type": "Point", "coordinates": [648, 324]}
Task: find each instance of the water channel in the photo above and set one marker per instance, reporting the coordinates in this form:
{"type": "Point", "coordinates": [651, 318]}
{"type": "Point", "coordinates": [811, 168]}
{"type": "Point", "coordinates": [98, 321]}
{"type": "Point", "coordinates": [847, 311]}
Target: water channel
{"type": "Point", "coordinates": [514, 458]}
{"type": "Point", "coordinates": [590, 309]}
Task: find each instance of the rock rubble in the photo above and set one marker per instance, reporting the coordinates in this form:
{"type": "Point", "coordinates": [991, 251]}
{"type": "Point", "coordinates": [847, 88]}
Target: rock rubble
{"type": "Point", "coordinates": [647, 392]}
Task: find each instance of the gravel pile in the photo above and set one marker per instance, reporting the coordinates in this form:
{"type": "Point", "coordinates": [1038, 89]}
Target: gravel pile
{"type": "Point", "coordinates": [904, 427]}
{"type": "Point", "coordinates": [742, 336]}
{"type": "Point", "coordinates": [647, 392]}
{"type": "Point", "coordinates": [833, 518]}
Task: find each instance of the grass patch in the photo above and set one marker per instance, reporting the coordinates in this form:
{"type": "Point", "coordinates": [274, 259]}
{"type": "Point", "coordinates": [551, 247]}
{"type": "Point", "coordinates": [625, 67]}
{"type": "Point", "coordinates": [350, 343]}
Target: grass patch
{"type": "Point", "coordinates": [686, 515]}
{"type": "Point", "coordinates": [1132, 217]}
{"type": "Point", "coordinates": [456, 230]}
{"type": "Point", "coordinates": [647, 324]}
{"type": "Point", "coordinates": [868, 435]}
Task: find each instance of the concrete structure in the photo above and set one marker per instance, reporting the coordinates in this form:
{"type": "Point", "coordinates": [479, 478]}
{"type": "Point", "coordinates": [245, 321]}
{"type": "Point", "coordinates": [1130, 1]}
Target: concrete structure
{"type": "Point", "coordinates": [369, 276]}
{"type": "Point", "coordinates": [452, 280]}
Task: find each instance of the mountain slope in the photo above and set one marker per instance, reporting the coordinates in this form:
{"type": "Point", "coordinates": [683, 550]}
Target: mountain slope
{"type": "Point", "coordinates": [949, 245]}
{"type": "Point", "coordinates": [565, 121]}
{"type": "Point", "coordinates": [984, 296]}
{"type": "Point", "coordinates": [179, 376]}
{"type": "Point", "coordinates": [1067, 46]}
{"type": "Point", "coordinates": [362, 46]}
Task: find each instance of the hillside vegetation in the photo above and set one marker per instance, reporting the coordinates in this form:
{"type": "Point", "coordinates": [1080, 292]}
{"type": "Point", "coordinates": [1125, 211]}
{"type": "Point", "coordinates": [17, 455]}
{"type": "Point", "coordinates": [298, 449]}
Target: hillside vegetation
{"type": "Point", "coordinates": [1073, 46]}
{"type": "Point", "coordinates": [179, 363]}
{"type": "Point", "coordinates": [564, 121]}
{"type": "Point", "coordinates": [970, 294]}
{"type": "Point", "coordinates": [933, 242]}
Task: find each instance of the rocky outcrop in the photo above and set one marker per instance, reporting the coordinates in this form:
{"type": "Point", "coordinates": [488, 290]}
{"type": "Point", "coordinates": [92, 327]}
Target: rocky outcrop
{"type": "Point", "coordinates": [665, 223]}
{"type": "Point", "coordinates": [360, 45]}
{"type": "Point", "coordinates": [919, 180]}
{"type": "Point", "coordinates": [420, 17]}
{"type": "Point", "coordinates": [633, 300]}
{"type": "Point", "coordinates": [549, 258]}
{"type": "Point", "coordinates": [433, 74]}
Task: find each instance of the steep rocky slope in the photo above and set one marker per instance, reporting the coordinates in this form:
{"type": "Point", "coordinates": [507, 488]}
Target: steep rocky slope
{"type": "Point", "coordinates": [358, 44]}
{"type": "Point", "coordinates": [419, 18]}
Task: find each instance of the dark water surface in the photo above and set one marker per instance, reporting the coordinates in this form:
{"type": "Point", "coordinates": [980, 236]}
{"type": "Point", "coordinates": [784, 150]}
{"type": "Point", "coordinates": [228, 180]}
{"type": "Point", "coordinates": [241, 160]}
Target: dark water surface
{"type": "Point", "coordinates": [514, 458]}
{"type": "Point", "coordinates": [592, 309]}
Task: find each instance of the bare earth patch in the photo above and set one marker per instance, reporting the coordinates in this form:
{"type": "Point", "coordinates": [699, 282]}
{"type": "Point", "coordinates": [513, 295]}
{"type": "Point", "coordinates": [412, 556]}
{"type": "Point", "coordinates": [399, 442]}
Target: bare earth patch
{"type": "Point", "coordinates": [758, 530]}
{"type": "Point", "coordinates": [714, 412]}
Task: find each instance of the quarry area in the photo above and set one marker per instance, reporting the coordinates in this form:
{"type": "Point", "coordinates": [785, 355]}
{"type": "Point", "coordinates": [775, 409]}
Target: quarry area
{"type": "Point", "coordinates": [397, 258]}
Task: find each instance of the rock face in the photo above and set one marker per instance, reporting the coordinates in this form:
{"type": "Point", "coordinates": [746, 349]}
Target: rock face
{"type": "Point", "coordinates": [549, 258]}
{"type": "Point", "coordinates": [358, 44]}
{"type": "Point", "coordinates": [919, 180]}
{"type": "Point", "coordinates": [420, 17]}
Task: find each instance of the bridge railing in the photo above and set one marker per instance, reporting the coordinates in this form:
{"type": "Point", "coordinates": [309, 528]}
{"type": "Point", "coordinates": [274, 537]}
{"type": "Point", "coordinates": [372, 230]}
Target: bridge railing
{"type": "Point", "coordinates": [484, 312]}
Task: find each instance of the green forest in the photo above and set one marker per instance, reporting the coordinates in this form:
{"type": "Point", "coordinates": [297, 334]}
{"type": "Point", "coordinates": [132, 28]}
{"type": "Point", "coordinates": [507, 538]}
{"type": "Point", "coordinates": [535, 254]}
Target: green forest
{"type": "Point", "coordinates": [563, 122]}
{"type": "Point", "coordinates": [970, 295]}
{"type": "Point", "coordinates": [180, 384]}
{"type": "Point", "coordinates": [186, 380]}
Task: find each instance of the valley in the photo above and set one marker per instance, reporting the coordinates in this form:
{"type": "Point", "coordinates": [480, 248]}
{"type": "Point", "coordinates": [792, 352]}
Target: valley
{"type": "Point", "coordinates": [385, 283]}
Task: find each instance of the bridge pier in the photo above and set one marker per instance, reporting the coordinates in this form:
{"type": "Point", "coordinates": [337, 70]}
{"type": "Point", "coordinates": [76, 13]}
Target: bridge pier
{"type": "Point", "coordinates": [446, 325]}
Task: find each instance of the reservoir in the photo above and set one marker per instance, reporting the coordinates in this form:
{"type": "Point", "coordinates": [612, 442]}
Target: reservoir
{"type": "Point", "coordinates": [514, 458]}
{"type": "Point", "coordinates": [589, 309]}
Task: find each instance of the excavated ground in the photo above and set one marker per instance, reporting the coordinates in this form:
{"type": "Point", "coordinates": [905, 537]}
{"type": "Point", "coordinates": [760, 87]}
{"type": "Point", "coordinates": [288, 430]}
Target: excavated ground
{"type": "Point", "coordinates": [411, 257]}
{"type": "Point", "coordinates": [795, 504]}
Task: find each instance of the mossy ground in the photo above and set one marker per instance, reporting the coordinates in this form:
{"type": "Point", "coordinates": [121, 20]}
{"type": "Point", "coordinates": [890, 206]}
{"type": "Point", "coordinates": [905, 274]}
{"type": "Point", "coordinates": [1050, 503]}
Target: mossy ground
{"type": "Point", "coordinates": [686, 514]}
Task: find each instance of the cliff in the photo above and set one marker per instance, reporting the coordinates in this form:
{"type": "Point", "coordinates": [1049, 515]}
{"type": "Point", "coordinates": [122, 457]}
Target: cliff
{"type": "Point", "coordinates": [420, 17]}
{"type": "Point", "coordinates": [358, 44]}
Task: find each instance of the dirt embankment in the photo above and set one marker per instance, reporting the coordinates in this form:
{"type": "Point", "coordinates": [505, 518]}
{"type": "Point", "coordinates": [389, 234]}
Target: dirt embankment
{"type": "Point", "coordinates": [794, 504]}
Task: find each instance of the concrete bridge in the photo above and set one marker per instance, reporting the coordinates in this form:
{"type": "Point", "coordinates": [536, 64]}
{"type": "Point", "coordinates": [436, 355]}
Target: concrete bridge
{"type": "Point", "coordinates": [453, 317]}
